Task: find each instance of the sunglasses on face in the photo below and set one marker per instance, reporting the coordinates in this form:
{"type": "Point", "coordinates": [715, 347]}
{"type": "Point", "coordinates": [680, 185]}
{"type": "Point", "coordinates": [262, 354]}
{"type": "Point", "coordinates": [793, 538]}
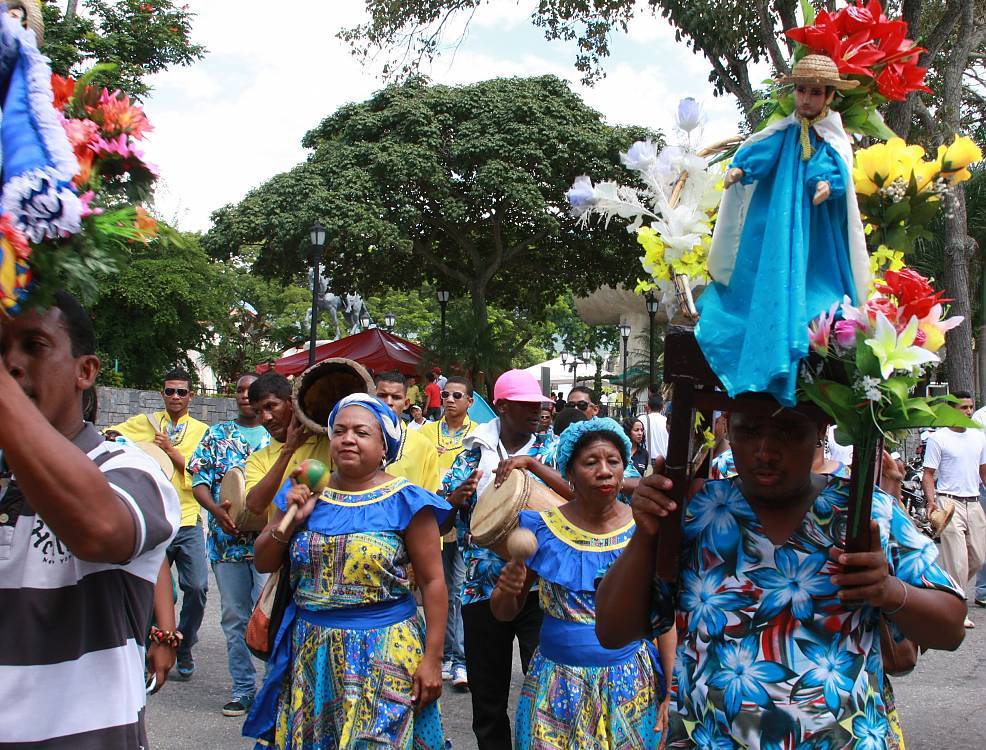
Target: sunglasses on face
{"type": "Point", "coordinates": [580, 405]}
{"type": "Point", "coordinates": [182, 392]}
{"type": "Point", "coordinates": [452, 394]}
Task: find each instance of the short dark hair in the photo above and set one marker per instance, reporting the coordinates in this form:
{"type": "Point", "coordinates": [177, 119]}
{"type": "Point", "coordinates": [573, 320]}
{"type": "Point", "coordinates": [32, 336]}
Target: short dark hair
{"type": "Point", "coordinates": [270, 383]}
{"type": "Point", "coordinates": [430, 375]}
{"type": "Point", "coordinates": [962, 394]}
{"type": "Point", "coordinates": [583, 389]}
{"type": "Point", "coordinates": [655, 401]}
{"type": "Point", "coordinates": [391, 376]}
{"type": "Point", "coordinates": [567, 416]}
{"type": "Point", "coordinates": [177, 374]}
{"type": "Point", "coordinates": [461, 380]}
{"type": "Point", "coordinates": [594, 436]}
{"type": "Point", "coordinates": [81, 334]}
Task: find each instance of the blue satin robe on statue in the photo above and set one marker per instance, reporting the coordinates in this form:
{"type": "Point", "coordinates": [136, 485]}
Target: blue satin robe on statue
{"type": "Point", "coordinates": [791, 265]}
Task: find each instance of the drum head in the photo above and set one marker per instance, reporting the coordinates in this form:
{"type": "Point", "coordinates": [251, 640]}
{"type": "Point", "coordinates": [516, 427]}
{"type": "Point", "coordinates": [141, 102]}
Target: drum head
{"type": "Point", "coordinates": [162, 458]}
{"type": "Point", "coordinates": [232, 490]}
{"type": "Point", "coordinates": [495, 514]}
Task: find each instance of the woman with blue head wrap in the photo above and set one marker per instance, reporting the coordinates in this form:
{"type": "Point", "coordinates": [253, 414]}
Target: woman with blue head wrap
{"type": "Point", "coordinates": [351, 659]}
{"type": "Point", "coordinates": [577, 693]}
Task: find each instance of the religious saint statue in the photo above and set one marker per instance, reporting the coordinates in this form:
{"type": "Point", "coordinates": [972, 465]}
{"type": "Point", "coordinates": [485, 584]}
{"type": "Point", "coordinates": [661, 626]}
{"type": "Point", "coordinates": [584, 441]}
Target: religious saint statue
{"type": "Point", "coordinates": [788, 241]}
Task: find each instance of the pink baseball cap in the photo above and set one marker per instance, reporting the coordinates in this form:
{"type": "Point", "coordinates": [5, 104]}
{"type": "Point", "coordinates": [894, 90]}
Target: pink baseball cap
{"type": "Point", "coordinates": [517, 385]}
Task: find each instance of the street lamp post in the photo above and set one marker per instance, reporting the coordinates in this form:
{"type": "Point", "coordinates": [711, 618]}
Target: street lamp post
{"type": "Point", "coordinates": [389, 321]}
{"type": "Point", "coordinates": [625, 334]}
{"type": "Point", "coordinates": [651, 313]}
{"type": "Point", "coordinates": [364, 320]}
{"type": "Point", "coordinates": [443, 295]}
{"type": "Point", "coordinates": [317, 236]}
{"type": "Point", "coordinates": [564, 364]}
{"type": "Point", "coordinates": [587, 358]}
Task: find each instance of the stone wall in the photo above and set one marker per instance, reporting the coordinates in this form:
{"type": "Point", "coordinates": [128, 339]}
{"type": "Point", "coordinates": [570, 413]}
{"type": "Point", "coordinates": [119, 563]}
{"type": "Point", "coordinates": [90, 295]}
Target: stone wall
{"type": "Point", "coordinates": [119, 404]}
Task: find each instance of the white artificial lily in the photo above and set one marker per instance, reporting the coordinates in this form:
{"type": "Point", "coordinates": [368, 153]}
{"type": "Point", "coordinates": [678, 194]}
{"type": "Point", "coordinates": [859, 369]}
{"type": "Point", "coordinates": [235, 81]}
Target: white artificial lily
{"type": "Point", "coordinates": [897, 352]}
{"type": "Point", "coordinates": [689, 115]}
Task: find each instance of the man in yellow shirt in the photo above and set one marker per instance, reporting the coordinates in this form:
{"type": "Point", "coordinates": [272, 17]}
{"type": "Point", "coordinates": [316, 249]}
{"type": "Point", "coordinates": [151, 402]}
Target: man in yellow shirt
{"type": "Point", "coordinates": [290, 444]}
{"type": "Point", "coordinates": [178, 435]}
{"type": "Point", "coordinates": [445, 438]}
{"type": "Point", "coordinates": [414, 395]}
{"type": "Point", "coordinates": [416, 460]}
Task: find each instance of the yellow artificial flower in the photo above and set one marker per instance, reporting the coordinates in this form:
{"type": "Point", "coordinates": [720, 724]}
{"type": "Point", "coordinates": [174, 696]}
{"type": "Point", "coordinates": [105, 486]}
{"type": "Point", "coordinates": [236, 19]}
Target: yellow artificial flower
{"type": "Point", "coordinates": [960, 154]}
{"type": "Point", "coordinates": [644, 286]}
{"type": "Point", "coordinates": [882, 260]}
{"type": "Point", "coordinates": [935, 338]}
{"type": "Point", "coordinates": [925, 173]}
{"type": "Point", "coordinates": [874, 167]}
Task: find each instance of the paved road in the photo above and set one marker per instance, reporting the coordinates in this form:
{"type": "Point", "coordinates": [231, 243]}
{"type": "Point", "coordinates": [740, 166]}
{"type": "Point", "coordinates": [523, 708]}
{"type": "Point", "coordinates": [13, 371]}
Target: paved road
{"type": "Point", "coordinates": [941, 702]}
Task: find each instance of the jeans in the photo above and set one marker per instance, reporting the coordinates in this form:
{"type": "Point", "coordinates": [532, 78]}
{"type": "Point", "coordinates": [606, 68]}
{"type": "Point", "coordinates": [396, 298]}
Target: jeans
{"type": "Point", "coordinates": [455, 572]}
{"type": "Point", "coordinates": [239, 587]}
{"type": "Point", "coordinates": [489, 661]}
{"type": "Point", "coordinates": [981, 576]}
{"type": "Point", "coordinates": [187, 553]}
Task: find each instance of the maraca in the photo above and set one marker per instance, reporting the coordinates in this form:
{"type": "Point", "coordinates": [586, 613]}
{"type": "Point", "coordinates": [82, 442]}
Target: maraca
{"type": "Point", "coordinates": [315, 476]}
{"type": "Point", "coordinates": [521, 544]}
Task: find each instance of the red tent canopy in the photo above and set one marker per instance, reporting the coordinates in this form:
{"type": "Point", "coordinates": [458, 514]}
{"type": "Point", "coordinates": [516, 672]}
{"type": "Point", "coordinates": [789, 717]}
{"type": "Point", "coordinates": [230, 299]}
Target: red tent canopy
{"type": "Point", "coordinates": [374, 348]}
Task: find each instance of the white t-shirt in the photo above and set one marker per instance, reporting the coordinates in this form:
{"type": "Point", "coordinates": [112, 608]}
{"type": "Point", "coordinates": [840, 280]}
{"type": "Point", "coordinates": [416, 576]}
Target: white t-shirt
{"type": "Point", "coordinates": [656, 434]}
{"type": "Point", "coordinates": [412, 425]}
{"type": "Point", "coordinates": [980, 416]}
{"type": "Point", "coordinates": [956, 457]}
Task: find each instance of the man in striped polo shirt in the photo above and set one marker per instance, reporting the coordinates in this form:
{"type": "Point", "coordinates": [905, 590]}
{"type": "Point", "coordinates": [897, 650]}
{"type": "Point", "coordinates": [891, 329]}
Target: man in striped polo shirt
{"type": "Point", "coordinates": [84, 525]}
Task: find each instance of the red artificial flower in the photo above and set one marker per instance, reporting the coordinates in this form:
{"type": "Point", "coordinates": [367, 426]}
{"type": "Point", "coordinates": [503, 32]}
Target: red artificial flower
{"type": "Point", "coordinates": [883, 305]}
{"type": "Point", "coordinates": [914, 294]}
{"type": "Point", "coordinates": [63, 89]}
{"type": "Point", "coordinates": [897, 81]}
{"type": "Point", "coordinates": [116, 115]}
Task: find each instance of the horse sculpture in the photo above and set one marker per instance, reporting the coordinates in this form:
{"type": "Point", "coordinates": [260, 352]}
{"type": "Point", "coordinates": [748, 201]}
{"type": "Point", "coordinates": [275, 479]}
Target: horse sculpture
{"type": "Point", "coordinates": [353, 307]}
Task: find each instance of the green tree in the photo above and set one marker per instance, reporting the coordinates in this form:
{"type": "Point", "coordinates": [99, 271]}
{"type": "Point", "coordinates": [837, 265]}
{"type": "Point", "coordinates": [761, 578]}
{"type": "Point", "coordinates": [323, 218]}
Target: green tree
{"type": "Point", "coordinates": [732, 35]}
{"type": "Point", "coordinates": [158, 307]}
{"type": "Point", "coordinates": [137, 37]}
{"type": "Point", "coordinates": [458, 186]}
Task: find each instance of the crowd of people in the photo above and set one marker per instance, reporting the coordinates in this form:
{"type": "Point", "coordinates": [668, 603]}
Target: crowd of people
{"type": "Point", "coordinates": [773, 635]}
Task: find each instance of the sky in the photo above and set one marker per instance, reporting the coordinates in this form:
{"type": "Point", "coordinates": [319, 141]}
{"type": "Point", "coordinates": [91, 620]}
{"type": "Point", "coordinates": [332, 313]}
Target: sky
{"type": "Point", "coordinates": [236, 118]}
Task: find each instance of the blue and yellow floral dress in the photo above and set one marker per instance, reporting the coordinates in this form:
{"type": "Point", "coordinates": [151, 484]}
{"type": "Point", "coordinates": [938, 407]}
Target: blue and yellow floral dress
{"type": "Point", "coordinates": [768, 656]}
{"type": "Point", "coordinates": [578, 694]}
{"type": "Point", "coordinates": [343, 662]}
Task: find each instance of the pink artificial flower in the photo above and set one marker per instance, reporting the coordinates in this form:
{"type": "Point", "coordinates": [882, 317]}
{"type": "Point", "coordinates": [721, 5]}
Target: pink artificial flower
{"type": "Point", "coordinates": [820, 329]}
{"type": "Point", "coordinates": [88, 210]}
{"type": "Point", "coordinates": [81, 133]}
{"type": "Point", "coordinates": [845, 333]}
{"type": "Point", "coordinates": [117, 146]}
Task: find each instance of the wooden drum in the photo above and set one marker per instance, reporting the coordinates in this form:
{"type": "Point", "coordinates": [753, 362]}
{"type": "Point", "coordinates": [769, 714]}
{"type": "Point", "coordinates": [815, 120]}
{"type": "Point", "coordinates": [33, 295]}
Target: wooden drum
{"type": "Point", "coordinates": [233, 490]}
{"type": "Point", "coordinates": [160, 457]}
{"type": "Point", "coordinates": [497, 509]}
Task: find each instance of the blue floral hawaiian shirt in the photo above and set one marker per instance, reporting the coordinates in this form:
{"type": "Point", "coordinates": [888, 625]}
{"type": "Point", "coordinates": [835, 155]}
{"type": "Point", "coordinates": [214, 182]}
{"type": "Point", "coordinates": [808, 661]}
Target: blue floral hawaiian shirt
{"type": "Point", "coordinates": [768, 657]}
{"type": "Point", "coordinates": [222, 448]}
{"type": "Point", "coordinates": [483, 566]}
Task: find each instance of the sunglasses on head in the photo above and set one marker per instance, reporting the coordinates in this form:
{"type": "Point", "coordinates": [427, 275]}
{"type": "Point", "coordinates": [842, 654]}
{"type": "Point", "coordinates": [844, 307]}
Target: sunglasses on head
{"type": "Point", "coordinates": [453, 394]}
{"type": "Point", "coordinates": [182, 392]}
{"type": "Point", "coordinates": [580, 405]}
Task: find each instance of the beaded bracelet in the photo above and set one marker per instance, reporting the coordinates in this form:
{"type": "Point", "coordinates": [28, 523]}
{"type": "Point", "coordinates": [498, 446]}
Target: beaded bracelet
{"type": "Point", "coordinates": [171, 638]}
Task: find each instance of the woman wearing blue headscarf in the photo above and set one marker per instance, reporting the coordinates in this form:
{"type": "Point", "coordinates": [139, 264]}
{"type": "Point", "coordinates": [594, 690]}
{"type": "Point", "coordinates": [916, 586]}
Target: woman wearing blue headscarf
{"type": "Point", "coordinates": [351, 666]}
{"type": "Point", "coordinates": [577, 693]}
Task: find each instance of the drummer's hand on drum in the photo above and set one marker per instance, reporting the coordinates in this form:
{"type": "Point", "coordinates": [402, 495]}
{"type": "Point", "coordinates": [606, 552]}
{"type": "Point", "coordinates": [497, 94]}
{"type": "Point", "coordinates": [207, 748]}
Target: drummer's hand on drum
{"type": "Point", "coordinates": [459, 497]}
{"type": "Point", "coordinates": [509, 464]}
{"type": "Point", "coordinates": [225, 520]}
{"type": "Point", "coordinates": [512, 578]}
{"type": "Point", "coordinates": [650, 503]}
{"type": "Point", "coordinates": [297, 435]}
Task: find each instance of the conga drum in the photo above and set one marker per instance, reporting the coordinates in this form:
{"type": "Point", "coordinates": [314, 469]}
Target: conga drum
{"type": "Point", "coordinates": [233, 490]}
{"type": "Point", "coordinates": [497, 510]}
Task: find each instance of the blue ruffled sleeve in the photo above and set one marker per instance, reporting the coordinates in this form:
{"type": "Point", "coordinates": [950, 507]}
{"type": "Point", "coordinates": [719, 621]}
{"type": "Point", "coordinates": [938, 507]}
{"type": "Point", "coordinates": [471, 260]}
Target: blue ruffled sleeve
{"type": "Point", "coordinates": [759, 158]}
{"type": "Point", "coordinates": [826, 165]}
{"type": "Point", "coordinates": [561, 563]}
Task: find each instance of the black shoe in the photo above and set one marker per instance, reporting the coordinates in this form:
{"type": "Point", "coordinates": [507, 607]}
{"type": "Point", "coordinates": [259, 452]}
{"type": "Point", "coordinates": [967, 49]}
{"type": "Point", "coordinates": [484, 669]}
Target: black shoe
{"type": "Point", "coordinates": [981, 601]}
{"type": "Point", "coordinates": [235, 707]}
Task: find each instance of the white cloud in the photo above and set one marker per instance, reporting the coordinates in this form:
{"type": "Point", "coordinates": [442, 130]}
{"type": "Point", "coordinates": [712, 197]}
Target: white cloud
{"type": "Point", "coordinates": [237, 117]}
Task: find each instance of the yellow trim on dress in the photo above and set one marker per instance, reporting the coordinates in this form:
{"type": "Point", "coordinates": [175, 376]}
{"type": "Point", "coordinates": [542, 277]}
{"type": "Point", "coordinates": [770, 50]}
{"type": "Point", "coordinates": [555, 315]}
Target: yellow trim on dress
{"type": "Point", "coordinates": [573, 536]}
{"type": "Point", "coordinates": [398, 482]}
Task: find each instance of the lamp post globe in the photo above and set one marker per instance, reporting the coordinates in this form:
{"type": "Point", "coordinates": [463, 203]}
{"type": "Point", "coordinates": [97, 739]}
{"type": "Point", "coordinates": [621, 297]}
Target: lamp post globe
{"type": "Point", "coordinates": [364, 320]}
{"type": "Point", "coordinates": [651, 313]}
{"type": "Point", "coordinates": [625, 335]}
{"type": "Point", "coordinates": [389, 321]}
{"type": "Point", "coordinates": [317, 236]}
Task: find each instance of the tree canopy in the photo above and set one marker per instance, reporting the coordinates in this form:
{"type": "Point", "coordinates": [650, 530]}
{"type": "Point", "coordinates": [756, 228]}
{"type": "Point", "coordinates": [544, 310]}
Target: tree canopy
{"type": "Point", "coordinates": [463, 187]}
{"type": "Point", "coordinates": [134, 38]}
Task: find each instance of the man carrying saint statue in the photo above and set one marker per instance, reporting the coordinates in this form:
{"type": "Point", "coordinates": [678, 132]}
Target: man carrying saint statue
{"type": "Point", "coordinates": [788, 241]}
